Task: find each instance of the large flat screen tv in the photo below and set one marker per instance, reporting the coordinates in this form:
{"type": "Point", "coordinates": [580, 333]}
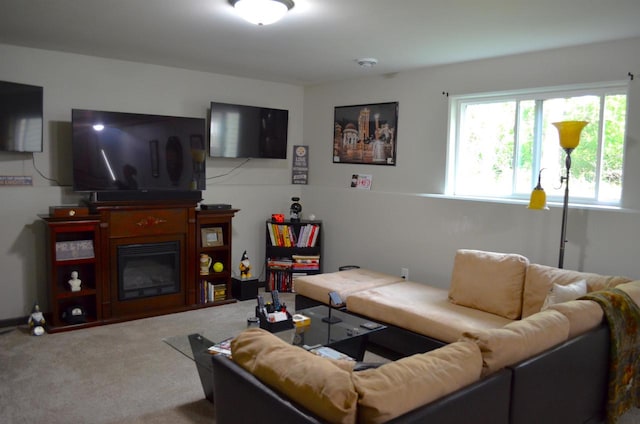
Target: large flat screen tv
{"type": "Point", "coordinates": [127, 154]}
{"type": "Point", "coordinates": [241, 131]}
{"type": "Point", "coordinates": [20, 117]}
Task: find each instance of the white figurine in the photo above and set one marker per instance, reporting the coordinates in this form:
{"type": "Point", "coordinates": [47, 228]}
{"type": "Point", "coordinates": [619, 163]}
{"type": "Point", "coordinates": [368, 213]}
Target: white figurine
{"type": "Point", "coordinates": [36, 321]}
{"type": "Point", "coordinates": [75, 282]}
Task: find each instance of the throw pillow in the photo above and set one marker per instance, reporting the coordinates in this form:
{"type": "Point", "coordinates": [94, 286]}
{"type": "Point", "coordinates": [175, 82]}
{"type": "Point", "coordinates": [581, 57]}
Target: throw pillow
{"type": "Point", "coordinates": [316, 383]}
{"type": "Point", "coordinates": [563, 293]}
{"type": "Point", "coordinates": [396, 388]}
{"type": "Point", "coordinates": [488, 281]}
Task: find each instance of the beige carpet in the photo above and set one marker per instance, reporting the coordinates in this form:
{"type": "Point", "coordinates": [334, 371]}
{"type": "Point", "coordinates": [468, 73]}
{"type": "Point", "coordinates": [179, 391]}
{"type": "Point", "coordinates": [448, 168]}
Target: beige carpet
{"type": "Point", "coordinates": [121, 373]}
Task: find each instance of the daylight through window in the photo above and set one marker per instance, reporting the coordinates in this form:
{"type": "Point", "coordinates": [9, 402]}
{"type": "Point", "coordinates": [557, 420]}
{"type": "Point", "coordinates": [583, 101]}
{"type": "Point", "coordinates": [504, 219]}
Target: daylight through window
{"type": "Point", "coordinates": [498, 143]}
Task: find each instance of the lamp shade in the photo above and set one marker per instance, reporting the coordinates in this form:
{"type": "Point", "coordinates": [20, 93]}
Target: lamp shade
{"type": "Point", "coordinates": [569, 132]}
{"type": "Point", "coordinates": [538, 199]}
{"type": "Point", "coordinates": [262, 12]}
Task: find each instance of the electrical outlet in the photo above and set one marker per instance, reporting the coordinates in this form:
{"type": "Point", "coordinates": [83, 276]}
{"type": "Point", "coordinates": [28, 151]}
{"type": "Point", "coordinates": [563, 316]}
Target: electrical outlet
{"type": "Point", "coordinates": [404, 273]}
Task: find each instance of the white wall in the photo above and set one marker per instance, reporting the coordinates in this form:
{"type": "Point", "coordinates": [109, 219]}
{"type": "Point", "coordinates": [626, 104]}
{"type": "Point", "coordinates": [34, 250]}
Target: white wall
{"type": "Point", "coordinates": [259, 188]}
{"type": "Point", "coordinates": [394, 225]}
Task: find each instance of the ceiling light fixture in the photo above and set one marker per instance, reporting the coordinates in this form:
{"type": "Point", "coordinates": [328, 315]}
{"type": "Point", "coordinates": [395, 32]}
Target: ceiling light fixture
{"type": "Point", "coordinates": [367, 62]}
{"type": "Point", "coordinates": [262, 12]}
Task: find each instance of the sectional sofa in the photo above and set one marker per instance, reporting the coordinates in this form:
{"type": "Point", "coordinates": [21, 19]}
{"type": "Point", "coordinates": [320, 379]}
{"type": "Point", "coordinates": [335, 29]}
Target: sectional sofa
{"type": "Point", "coordinates": [508, 342]}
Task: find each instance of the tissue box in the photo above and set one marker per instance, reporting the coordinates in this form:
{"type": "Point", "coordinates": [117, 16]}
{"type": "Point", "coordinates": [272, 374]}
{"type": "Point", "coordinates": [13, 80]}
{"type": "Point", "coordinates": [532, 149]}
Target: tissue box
{"type": "Point", "coordinates": [300, 320]}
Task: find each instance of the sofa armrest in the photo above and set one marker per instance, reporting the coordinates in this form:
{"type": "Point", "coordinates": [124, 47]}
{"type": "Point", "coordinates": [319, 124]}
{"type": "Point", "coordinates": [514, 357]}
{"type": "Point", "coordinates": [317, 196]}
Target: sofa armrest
{"type": "Point", "coordinates": [483, 402]}
{"type": "Point", "coordinates": [239, 397]}
{"type": "Point", "coordinates": [565, 384]}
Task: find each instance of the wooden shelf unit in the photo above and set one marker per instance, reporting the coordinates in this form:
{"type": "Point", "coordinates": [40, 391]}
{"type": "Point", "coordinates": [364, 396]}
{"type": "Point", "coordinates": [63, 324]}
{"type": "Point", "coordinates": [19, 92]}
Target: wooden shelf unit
{"type": "Point", "coordinates": [278, 251]}
{"type": "Point", "coordinates": [67, 232]}
{"type": "Point", "coordinates": [218, 222]}
{"type": "Point", "coordinates": [114, 224]}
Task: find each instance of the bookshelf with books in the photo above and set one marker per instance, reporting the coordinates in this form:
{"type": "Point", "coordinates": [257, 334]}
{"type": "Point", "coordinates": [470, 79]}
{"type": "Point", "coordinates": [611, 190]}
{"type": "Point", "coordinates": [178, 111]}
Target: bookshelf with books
{"type": "Point", "coordinates": [293, 248]}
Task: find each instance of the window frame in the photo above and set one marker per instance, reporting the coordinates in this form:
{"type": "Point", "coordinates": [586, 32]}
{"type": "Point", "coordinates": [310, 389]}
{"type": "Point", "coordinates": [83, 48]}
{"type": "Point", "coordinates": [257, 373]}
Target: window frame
{"type": "Point", "coordinates": [457, 104]}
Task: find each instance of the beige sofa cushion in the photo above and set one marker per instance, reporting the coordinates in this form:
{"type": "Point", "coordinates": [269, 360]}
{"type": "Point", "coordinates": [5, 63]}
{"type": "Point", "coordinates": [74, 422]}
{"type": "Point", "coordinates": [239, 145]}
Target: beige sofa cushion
{"type": "Point", "coordinates": [583, 315]}
{"type": "Point", "coordinates": [519, 340]}
{"type": "Point", "coordinates": [422, 309]}
{"type": "Point", "coordinates": [632, 289]}
{"type": "Point", "coordinates": [318, 286]}
{"type": "Point", "coordinates": [540, 279]}
{"type": "Point", "coordinates": [314, 382]}
{"type": "Point", "coordinates": [398, 387]}
{"type": "Point", "coordinates": [489, 281]}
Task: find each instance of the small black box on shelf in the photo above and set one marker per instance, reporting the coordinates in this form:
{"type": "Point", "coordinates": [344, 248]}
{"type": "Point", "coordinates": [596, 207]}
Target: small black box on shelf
{"type": "Point", "coordinates": [244, 289]}
{"type": "Point", "coordinates": [274, 327]}
{"type": "Point", "coordinates": [215, 207]}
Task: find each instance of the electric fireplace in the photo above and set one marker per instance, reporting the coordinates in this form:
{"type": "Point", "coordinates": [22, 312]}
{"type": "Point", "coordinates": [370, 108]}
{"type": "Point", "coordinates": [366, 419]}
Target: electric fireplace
{"type": "Point", "coordinates": [146, 270]}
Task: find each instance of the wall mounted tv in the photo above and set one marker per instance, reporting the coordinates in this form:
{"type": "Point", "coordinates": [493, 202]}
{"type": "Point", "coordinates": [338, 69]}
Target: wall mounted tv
{"type": "Point", "coordinates": [130, 156]}
{"type": "Point", "coordinates": [20, 117]}
{"type": "Point", "coordinates": [240, 131]}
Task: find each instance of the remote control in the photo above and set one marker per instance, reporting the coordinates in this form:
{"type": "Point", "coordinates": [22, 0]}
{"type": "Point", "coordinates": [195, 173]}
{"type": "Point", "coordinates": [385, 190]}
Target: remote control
{"type": "Point", "coordinates": [370, 325]}
{"type": "Point", "coordinates": [275, 296]}
{"type": "Point", "coordinates": [261, 306]}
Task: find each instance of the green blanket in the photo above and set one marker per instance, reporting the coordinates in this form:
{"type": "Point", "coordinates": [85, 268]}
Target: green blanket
{"type": "Point", "coordinates": [623, 317]}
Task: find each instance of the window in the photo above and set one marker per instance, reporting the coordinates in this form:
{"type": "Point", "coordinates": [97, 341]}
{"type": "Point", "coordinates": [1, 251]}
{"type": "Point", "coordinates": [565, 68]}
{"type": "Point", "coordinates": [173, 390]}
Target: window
{"type": "Point", "coordinates": [499, 142]}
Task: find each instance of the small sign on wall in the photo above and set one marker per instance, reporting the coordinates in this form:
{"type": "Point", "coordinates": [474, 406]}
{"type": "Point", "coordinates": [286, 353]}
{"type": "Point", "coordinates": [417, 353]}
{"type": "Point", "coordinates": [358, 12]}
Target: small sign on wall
{"type": "Point", "coordinates": [8, 180]}
{"type": "Point", "coordinates": [300, 168]}
{"type": "Point", "coordinates": [361, 181]}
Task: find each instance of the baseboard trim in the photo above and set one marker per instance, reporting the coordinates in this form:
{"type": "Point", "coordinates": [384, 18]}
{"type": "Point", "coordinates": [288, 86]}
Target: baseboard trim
{"type": "Point", "coordinates": [13, 322]}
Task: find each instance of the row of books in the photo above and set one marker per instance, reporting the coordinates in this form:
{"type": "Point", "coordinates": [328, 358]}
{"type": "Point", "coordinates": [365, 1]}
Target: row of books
{"type": "Point", "coordinates": [210, 292]}
{"type": "Point", "coordinates": [306, 262]}
{"type": "Point", "coordinates": [296, 262]}
{"type": "Point", "coordinates": [283, 235]}
{"type": "Point", "coordinates": [282, 281]}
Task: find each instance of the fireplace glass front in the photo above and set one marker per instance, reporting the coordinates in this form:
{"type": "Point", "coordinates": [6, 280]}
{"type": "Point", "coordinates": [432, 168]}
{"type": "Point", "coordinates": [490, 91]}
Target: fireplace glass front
{"type": "Point", "coordinates": [150, 269]}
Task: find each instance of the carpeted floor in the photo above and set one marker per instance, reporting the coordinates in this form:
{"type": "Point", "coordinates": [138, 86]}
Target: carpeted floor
{"type": "Point", "coordinates": [120, 373]}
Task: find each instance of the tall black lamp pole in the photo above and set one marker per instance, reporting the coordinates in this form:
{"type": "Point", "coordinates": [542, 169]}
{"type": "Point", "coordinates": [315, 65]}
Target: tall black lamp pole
{"type": "Point", "coordinates": [569, 133]}
{"type": "Point", "coordinates": [565, 208]}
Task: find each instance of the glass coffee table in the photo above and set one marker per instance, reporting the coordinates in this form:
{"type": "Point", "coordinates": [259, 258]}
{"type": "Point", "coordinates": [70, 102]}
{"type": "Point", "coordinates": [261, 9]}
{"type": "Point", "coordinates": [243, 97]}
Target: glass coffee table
{"type": "Point", "coordinates": [349, 335]}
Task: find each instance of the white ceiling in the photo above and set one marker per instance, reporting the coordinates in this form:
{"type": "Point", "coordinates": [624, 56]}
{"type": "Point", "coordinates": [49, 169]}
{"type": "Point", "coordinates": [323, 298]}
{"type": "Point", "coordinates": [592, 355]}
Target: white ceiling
{"type": "Point", "coordinates": [318, 40]}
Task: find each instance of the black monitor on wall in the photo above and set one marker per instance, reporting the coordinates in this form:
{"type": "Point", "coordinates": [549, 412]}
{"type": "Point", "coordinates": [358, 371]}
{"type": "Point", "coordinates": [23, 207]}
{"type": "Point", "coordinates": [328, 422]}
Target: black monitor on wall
{"type": "Point", "coordinates": [122, 155]}
{"type": "Point", "coordinates": [242, 131]}
{"type": "Point", "coordinates": [21, 117]}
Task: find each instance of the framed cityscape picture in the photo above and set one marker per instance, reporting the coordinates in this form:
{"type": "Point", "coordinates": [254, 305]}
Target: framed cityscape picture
{"type": "Point", "coordinates": [365, 134]}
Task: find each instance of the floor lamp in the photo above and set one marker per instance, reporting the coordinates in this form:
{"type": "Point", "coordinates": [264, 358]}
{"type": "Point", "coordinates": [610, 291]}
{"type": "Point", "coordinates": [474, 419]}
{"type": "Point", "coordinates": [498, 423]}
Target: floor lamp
{"type": "Point", "coordinates": [569, 132]}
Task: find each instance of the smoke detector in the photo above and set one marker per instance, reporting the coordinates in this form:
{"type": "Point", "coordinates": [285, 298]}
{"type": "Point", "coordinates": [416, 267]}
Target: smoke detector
{"type": "Point", "coordinates": [367, 62]}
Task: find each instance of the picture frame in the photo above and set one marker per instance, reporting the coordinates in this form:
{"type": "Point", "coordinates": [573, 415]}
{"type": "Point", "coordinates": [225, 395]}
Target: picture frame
{"type": "Point", "coordinates": [366, 134]}
{"type": "Point", "coordinates": [212, 237]}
